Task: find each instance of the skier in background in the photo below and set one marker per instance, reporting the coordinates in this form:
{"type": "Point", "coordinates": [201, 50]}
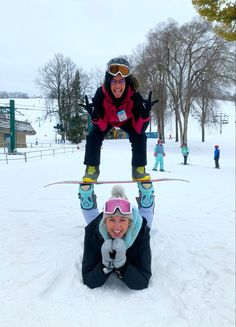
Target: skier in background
{"type": "Point", "coordinates": [217, 156]}
{"type": "Point", "coordinates": [185, 152]}
{"type": "Point", "coordinates": [159, 154]}
{"type": "Point", "coordinates": [117, 240]}
{"type": "Point", "coordinates": [118, 103]}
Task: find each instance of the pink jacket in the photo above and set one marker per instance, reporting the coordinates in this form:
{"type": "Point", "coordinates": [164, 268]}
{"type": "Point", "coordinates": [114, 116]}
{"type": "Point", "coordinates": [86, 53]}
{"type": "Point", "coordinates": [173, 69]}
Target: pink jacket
{"type": "Point", "coordinates": [111, 115]}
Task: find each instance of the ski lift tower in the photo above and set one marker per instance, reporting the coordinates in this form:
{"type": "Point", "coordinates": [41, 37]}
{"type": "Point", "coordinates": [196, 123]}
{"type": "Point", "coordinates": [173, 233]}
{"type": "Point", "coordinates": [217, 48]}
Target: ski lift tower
{"type": "Point", "coordinates": [10, 110]}
{"type": "Point", "coordinates": [223, 120]}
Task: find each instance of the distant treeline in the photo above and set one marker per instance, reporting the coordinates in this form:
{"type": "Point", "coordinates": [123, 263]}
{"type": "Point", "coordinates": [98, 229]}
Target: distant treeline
{"type": "Point", "coordinates": [16, 95]}
{"type": "Point", "coordinates": [226, 97]}
{"type": "Point", "coordinates": [21, 95]}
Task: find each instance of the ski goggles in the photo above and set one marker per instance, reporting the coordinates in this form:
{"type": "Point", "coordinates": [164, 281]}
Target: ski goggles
{"type": "Point", "coordinates": [115, 69]}
{"type": "Point", "coordinates": [122, 205]}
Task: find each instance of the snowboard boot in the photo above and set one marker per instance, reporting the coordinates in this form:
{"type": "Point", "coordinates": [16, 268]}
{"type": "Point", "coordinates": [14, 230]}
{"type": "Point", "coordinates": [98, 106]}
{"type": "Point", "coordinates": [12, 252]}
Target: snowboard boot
{"type": "Point", "coordinates": [87, 196]}
{"type": "Point", "coordinates": [91, 174]}
{"type": "Point", "coordinates": [139, 174]}
{"type": "Point", "coordinates": [146, 194]}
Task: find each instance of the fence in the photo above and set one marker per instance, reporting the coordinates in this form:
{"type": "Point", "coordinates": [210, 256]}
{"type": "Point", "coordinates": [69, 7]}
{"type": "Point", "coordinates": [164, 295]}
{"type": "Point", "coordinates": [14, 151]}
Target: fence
{"type": "Point", "coordinates": [40, 153]}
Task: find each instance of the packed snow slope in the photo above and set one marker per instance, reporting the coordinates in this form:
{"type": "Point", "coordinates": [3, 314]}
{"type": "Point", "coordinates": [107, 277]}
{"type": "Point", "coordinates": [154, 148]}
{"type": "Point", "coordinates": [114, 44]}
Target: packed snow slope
{"type": "Point", "coordinates": [192, 240]}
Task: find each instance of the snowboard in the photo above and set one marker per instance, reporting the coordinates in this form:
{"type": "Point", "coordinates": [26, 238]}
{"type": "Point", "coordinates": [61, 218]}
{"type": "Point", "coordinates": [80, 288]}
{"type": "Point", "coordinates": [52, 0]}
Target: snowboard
{"type": "Point", "coordinates": [119, 181]}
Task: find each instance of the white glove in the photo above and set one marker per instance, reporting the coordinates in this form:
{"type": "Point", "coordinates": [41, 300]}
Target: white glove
{"type": "Point", "coordinates": [106, 251]}
{"type": "Point", "coordinates": [119, 249]}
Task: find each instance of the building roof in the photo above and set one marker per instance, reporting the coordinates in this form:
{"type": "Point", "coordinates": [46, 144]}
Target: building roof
{"type": "Point", "coordinates": [20, 126]}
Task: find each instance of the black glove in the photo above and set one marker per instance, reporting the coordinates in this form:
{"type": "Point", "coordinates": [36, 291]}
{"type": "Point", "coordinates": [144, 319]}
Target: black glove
{"type": "Point", "coordinates": [88, 106]}
{"type": "Point", "coordinates": [92, 111]}
{"type": "Point", "coordinates": [142, 107]}
{"type": "Point", "coordinates": [98, 105]}
{"type": "Point", "coordinates": [148, 103]}
{"type": "Point", "coordinates": [138, 105]}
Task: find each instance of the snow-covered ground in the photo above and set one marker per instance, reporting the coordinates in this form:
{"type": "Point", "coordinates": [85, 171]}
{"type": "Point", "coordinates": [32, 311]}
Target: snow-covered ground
{"type": "Point", "coordinates": [192, 240]}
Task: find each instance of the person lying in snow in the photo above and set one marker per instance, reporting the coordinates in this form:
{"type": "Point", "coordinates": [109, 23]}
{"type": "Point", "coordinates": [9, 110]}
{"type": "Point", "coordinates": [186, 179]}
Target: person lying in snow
{"type": "Point", "coordinates": [117, 240]}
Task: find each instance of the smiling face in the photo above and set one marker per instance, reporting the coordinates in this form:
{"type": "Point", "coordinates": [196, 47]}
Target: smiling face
{"type": "Point", "coordinates": [118, 84]}
{"type": "Point", "coordinates": [117, 225]}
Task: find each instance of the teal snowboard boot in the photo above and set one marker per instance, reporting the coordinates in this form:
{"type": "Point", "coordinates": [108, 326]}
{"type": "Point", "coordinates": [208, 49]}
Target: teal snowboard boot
{"type": "Point", "coordinates": [146, 194]}
{"type": "Point", "coordinates": [87, 196]}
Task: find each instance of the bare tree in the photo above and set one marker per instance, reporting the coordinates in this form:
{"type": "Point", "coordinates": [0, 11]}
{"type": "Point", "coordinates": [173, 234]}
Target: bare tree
{"type": "Point", "coordinates": [216, 74]}
{"type": "Point", "coordinates": [60, 82]}
{"type": "Point", "coordinates": [204, 106]}
{"type": "Point", "coordinates": [151, 80]}
{"type": "Point", "coordinates": [96, 79]}
{"type": "Point", "coordinates": [180, 57]}
{"type": "Point", "coordinates": [51, 78]}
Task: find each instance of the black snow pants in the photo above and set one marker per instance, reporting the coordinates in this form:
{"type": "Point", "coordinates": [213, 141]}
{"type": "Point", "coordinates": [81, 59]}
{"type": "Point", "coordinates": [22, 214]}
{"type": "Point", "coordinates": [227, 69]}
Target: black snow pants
{"type": "Point", "coordinates": [96, 136]}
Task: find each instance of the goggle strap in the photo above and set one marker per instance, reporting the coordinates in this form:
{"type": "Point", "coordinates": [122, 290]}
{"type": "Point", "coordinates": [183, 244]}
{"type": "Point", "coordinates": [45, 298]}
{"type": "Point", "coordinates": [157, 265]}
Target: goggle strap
{"type": "Point", "coordinates": [117, 208]}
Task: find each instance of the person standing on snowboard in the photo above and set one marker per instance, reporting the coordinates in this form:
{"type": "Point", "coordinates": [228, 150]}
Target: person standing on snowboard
{"type": "Point", "coordinates": [117, 240]}
{"type": "Point", "coordinates": [118, 103]}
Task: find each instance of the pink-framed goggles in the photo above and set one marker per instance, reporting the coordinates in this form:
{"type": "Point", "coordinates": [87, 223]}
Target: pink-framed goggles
{"type": "Point", "coordinates": [121, 204]}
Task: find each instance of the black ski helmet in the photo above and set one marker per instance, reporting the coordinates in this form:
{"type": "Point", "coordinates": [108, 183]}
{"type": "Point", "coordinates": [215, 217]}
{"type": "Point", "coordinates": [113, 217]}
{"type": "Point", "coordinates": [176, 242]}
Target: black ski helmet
{"type": "Point", "coordinates": [108, 76]}
{"type": "Point", "coordinates": [118, 61]}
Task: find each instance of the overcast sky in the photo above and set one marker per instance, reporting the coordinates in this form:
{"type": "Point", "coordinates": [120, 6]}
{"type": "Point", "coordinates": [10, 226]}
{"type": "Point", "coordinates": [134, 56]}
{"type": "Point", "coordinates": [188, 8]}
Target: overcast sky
{"type": "Point", "coordinates": [89, 32]}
